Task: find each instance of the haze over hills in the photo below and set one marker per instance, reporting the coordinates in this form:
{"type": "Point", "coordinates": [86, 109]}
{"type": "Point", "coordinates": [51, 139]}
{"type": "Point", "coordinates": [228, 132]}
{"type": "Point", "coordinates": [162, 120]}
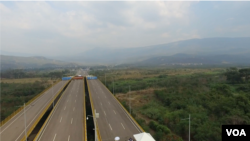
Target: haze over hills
{"type": "Point", "coordinates": [185, 59]}
{"type": "Point", "coordinates": [200, 47]}
{"type": "Point", "coordinates": [205, 51]}
{"type": "Point", "coordinates": [16, 62]}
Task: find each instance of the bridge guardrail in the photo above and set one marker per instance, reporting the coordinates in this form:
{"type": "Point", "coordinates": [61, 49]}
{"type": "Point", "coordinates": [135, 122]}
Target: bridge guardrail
{"type": "Point", "coordinates": [124, 108]}
{"type": "Point", "coordinates": [21, 108]}
{"type": "Point", "coordinates": [44, 111]}
{"type": "Point", "coordinates": [39, 133]}
{"type": "Point", "coordinates": [84, 113]}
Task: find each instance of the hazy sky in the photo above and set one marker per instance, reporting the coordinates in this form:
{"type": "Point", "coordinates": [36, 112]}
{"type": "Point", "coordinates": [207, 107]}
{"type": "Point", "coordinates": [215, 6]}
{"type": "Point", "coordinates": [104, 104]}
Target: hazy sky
{"type": "Point", "coordinates": [64, 28]}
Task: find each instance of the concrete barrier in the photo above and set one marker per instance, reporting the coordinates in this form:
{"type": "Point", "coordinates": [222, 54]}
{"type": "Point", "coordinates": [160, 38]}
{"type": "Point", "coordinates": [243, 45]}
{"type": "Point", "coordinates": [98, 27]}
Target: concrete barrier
{"type": "Point", "coordinates": [84, 114]}
{"type": "Point", "coordinates": [43, 112]}
{"type": "Point", "coordinates": [93, 112]}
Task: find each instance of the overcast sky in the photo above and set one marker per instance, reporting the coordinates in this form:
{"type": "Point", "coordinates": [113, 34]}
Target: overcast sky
{"type": "Point", "coordinates": [64, 28]}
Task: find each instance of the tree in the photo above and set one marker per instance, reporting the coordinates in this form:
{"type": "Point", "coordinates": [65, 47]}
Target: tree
{"type": "Point", "coordinates": [245, 73]}
{"type": "Point", "coordinates": [233, 76]}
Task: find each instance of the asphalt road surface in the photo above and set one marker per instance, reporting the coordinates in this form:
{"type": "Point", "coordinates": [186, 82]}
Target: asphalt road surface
{"type": "Point", "coordinates": [82, 72]}
{"type": "Point", "coordinates": [14, 129]}
{"type": "Point", "coordinates": [66, 121]}
{"type": "Point", "coordinates": [113, 120]}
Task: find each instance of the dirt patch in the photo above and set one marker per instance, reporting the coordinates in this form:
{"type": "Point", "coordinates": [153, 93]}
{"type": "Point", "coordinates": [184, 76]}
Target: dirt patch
{"type": "Point", "coordinates": [137, 98]}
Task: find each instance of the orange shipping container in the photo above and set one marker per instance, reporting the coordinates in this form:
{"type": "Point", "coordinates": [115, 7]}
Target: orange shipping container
{"type": "Point", "coordinates": [78, 78]}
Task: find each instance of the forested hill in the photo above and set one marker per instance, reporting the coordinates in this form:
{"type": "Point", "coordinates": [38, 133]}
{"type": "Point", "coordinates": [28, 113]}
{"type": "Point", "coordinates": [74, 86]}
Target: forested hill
{"type": "Point", "coordinates": [186, 59]}
{"type": "Point", "coordinates": [198, 47]}
{"type": "Point", "coordinates": [16, 62]}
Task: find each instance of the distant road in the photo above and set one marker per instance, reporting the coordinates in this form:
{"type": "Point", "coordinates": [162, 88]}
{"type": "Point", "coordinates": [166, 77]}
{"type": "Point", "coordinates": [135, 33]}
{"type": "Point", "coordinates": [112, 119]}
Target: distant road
{"type": "Point", "coordinates": [66, 122]}
{"type": "Point", "coordinates": [113, 120]}
{"type": "Point", "coordinates": [13, 130]}
{"type": "Point", "coordinates": [82, 72]}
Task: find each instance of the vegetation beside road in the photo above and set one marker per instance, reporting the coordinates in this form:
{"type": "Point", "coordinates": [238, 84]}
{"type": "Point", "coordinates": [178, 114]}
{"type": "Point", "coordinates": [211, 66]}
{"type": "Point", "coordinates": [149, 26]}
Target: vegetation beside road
{"type": "Point", "coordinates": [19, 86]}
{"type": "Point", "coordinates": [160, 99]}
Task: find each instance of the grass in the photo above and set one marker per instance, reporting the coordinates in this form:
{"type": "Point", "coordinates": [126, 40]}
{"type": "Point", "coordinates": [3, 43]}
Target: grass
{"type": "Point", "coordinates": [149, 73]}
{"type": "Point", "coordinates": [24, 80]}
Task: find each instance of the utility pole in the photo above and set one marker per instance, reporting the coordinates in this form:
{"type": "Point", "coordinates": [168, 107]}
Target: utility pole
{"type": "Point", "coordinates": [129, 101]}
{"type": "Point", "coordinates": [24, 115]}
{"type": "Point", "coordinates": [25, 121]}
{"type": "Point", "coordinates": [53, 94]}
{"type": "Point", "coordinates": [113, 86]}
{"type": "Point", "coordinates": [189, 125]}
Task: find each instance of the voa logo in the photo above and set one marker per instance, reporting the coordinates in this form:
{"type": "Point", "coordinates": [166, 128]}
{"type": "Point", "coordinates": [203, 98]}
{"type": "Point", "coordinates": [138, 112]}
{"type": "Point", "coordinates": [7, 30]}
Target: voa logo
{"type": "Point", "coordinates": [236, 132]}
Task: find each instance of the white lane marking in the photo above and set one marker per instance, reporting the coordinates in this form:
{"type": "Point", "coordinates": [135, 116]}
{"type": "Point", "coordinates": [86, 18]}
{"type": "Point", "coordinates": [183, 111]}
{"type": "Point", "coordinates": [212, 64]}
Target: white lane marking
{"type": "Point", "coordinates": [71, 120]}
{"type": "Point", "coordinates": [114, 111]}
{"type": "Point", "coordinates": [129, 117]}
{"type": "Point", "coordinates": [74, 109]}
{"type": "Point", "coordinates": [32, 119]}
{"type": "Point", "coordinates": [110, 127]}
{"type": "Point", "coordinates": [61, 119]}
{"type": "Point", "coordinates": [54, 137]}
{"type": "Point", "coordinates": [46, 124]}
{"type": "Point", "coordinates": [104, 113]}
{"type": "Point", "coordinates": [68, 137]}
{"type": "Point", "coordinates": [26, 109]}
{"type": "Point", "coordinates": [64, 107]}
{"type": "Point", "coordinates": [123, 126]}
{"type": "Point", "coordinates": [109, 103]}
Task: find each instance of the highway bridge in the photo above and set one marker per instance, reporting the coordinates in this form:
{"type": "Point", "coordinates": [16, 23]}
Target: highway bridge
{"type": "Point", "coordinates": [14, 129]}
{"type": "Point", "coordinates": [67, 120]}
{"type": "Point", "coordinates": [114, 120]}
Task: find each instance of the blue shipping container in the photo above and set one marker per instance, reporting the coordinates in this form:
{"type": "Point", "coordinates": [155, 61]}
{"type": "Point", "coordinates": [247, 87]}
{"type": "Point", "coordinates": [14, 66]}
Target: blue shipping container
{"type": "Point", "coordinates": [66, 78]}
{"type": "Point", "coordinates": [92, 77]}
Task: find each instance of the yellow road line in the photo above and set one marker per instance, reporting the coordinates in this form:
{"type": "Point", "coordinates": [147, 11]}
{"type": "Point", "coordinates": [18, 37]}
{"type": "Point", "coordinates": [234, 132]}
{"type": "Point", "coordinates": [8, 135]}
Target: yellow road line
{"type": "Point", "coordinates": [44, 111]}
{"type": "Point", "coordinates": [27, 104]}
{"type": "Point", "coordinates": [93, 112]}
{"type": "Point", "coordinates": [84, 113]}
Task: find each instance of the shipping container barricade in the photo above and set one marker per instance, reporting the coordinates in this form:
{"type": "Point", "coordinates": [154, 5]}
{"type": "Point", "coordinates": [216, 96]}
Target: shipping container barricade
{"type": "Point", "coordinates": [78, 77]}
{"type": "Point", "coordinates": [89, 77]}
{"type": "Point", "coordinates": [66, 78]}
{"type": "Point", "coordinates": [21, 108]}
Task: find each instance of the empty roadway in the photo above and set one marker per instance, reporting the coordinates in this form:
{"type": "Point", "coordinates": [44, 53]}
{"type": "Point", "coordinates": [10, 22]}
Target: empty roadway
{"type": "Point", "coordinates": [13, 130]}
{"type": "Point", "coordinates": [113, 120]}
{"type": "Point", "coordinates": [66, 121]}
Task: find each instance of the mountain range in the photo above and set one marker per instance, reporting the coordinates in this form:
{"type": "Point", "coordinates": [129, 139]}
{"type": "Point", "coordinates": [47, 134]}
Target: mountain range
{"type": "Point", "coordinates": [186, 59]}
{"type": "Point", "coordinates": [196, 47]}
{"type": "Point", "coordinates": [17, 62]}
{"type": "Point", "coordinates": [205, 51]}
